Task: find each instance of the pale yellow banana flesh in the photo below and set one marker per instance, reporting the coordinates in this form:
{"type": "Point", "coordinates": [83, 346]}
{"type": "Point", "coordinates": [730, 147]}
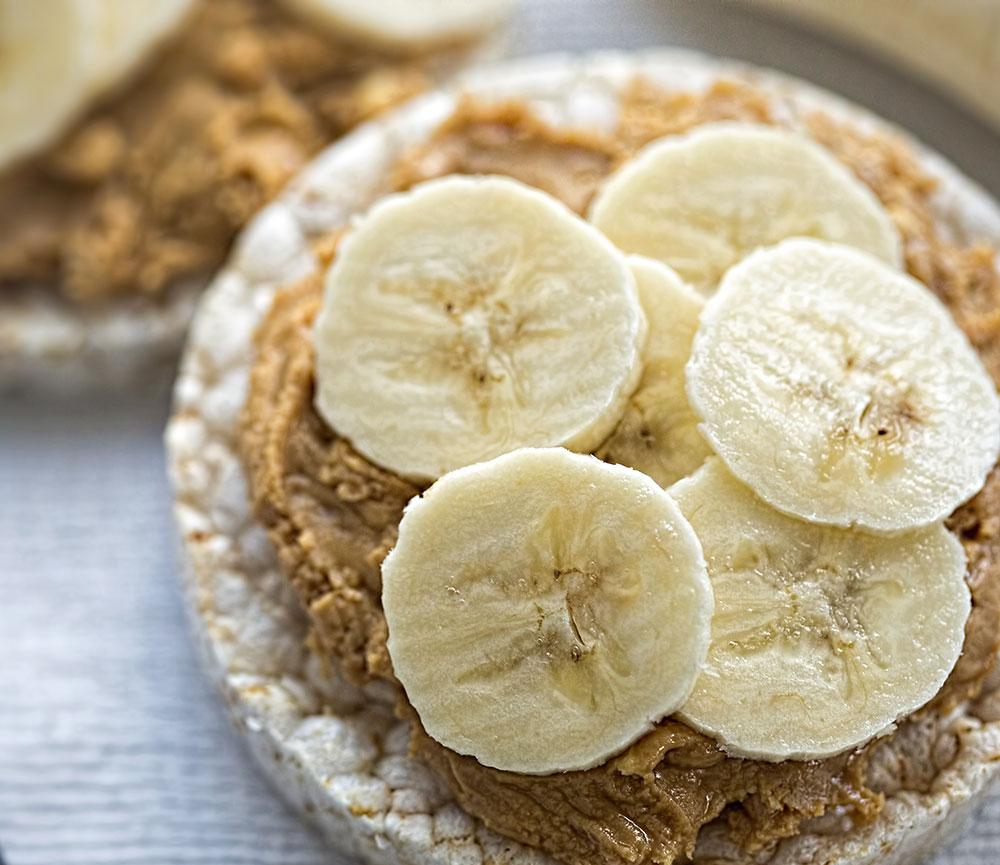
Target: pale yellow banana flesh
{"type": "Point", "coordinates": [472, 316]}
{"type": "Point", "coordinates": [822, 637]}
{"type": "Point", "coordinates": [406, 24]}
{"type": "Point", "coordinates": [658, 434]}
{"type": "Point", "coordinates": [700, 202]}
{"type": "Point", "coordinates": [58, 56]}
{"type": "Point", "coordinates": [841, 390]}
{"type": "Point", "coordinates": [45, 59]}
{"type": "Point", "coordinates": [545, 609]}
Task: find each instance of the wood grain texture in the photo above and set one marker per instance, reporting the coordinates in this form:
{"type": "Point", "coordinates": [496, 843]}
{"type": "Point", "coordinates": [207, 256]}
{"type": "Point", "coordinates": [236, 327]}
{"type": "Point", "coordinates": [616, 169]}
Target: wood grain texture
{"type": "Point", "coordinates": [112, 749]}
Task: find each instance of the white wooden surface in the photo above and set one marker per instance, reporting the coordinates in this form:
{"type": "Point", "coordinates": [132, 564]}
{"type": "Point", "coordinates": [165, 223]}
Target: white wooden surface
{"type": "Point", "coordinates": [112, 750]}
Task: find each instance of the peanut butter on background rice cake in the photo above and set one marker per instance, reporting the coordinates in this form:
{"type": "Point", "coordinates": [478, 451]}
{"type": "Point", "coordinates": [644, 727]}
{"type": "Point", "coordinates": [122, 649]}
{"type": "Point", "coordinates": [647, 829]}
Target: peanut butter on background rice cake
{"type": "Point", "coordinates": [151, 185]}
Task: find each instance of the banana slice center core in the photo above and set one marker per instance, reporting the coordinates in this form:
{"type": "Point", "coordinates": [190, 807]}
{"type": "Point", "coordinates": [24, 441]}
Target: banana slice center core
{"type": "Point", "coordinates": [578, 618]}
{"type": "Point", "coordinates": [485, 333]}
{"type": "Point", "coordinates": [874, 416]}
{"type": "Point", "coordinates": [817, 604]}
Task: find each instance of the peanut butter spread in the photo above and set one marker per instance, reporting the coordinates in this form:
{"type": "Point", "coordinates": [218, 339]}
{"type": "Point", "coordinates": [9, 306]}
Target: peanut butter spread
{"type": "Point", "coordinates": [151, 186]}
{"type": "Point", "coordinates": [333, 515]}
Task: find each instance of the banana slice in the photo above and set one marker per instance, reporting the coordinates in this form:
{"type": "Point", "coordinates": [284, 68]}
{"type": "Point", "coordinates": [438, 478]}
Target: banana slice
{"type": "Point", "coordinates": [701, 201]}
{"type": "Point", "coordinates": [658, 435]}
{"type": "Point", "coordinates": [57, 56]}
{"type": "Point", "coordinates": [128, 32]}
{"type": "Point", "coordinates": [822, 637]}
{"type": "Point", "coordinates": [545, 609]}
{"type": "Point", "coordinates": [406, 23]}
{"type": "Point", "coordinates": [472, 316]}
{"type": "Point", "coordinates": [46, 60]}
{"type": "Point", "coordinates": [841, 390]}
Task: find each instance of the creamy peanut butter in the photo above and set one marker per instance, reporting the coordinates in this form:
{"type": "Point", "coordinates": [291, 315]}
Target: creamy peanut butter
{"type": "Point", "coordinates": [332, 515]}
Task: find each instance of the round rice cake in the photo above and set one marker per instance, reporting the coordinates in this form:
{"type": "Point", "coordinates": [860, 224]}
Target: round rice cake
{"type": "Point", "coordinates": [336, 752]}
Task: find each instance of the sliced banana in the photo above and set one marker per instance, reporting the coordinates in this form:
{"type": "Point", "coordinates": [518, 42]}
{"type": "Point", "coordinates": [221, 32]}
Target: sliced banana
{"type": "Point", "coordinates": [406, 23]}
{"type": "Point", "coordinates": [545, 609]}
{"type": "Point", "coordinates": [658, 434]}
{"type": "Point", "coordinates": [472, 316]}
{"type": "Point", "coordinates": [701, 201]}
{"type": "Point", "coordinates": [58, 56]}
{"type": "Point", "coordinates": [46, 59]}
{"type": "Point", "coordinates": [841, 390]}
{"type": "Point", "coordinates": [822, 637]}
